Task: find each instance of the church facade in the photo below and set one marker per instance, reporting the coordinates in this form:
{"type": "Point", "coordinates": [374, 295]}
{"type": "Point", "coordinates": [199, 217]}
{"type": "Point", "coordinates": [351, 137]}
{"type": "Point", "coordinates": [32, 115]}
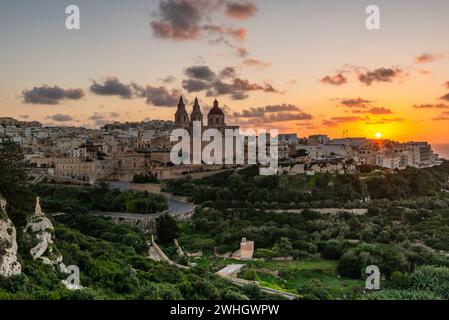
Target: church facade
{"type": "Point", "coordinates": [215, 118]}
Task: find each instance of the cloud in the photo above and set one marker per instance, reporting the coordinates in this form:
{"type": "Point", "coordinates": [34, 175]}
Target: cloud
{"type": "Point", "coordinates": [185, 20]}
{"type": "Point", "coordinates": [169, 79]}
{"type": "Point", "coordinates": [270, 114]}
{"type": "Point", "coordinates": [336, 80]}
{"type": "Point", "coordinates": [384, 121]}
{"type": "Point", "coordinates": [50, 95]}
{"type": "Point", "coordinates": [256, 63]}
{"type": "Point", "coordinates": [97, 116]}
{"type": "Point", "coordinates": [178, 20]}
{"type": "Point", "coordinates": [445, 97]}
{"type": "Point", "coordinates": [374, 110]}
{"type": "Point", "coordinates": [240, 9]}
{"type": "Point", "coordinates": [242, 52]}
{"type": "Point", "coordinates": [427, 57]}
{"type": "Point", "coordinates": [113, 87]}
{"type": "Point", "coordinates": [355, 103]}
{"type": "Point", "coordinates": [161, 96]}
{"type": "Point", "coordinates": [335, 121]}
{"type": "Point", "coordinates": [446, 84]}
{"type": "Point", "coordinates": [443, 117]}
{"type": "Point", "coordinates": [431, 106]}
{"type": "Point", "coordinates": [24, 116]}
{"type": "Point", "coordinates": [379, 75]}
{"type": "Point", "coordinates": [202, 78]}
{"type": "Point", "coordinates": [192, 20]}
{"type": "Point", "coordinates": [60, 117]}
{"type": "Point", "coordinates": [261, 111]}
{"type": "Point", "coordinates": [194, 85]}
{"type": "Point", "coordinates": [245, 85]}
{"type": "Point", "coordinates": [200, 73]}
{"type": "Point", "coordinates": [220, 33]}
{"type": "Point", "coordinates": [228, 72]}
{"type": "Point", "coordinates": [100, 119]}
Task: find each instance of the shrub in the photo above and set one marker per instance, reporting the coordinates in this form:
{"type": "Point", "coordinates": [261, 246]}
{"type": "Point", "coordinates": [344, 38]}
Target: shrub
{"type": "Point", "coordinates": [314, 289]}
{"type": "Point", "coordinates": [391, 294]}
{"type": "Point", "coordinates": [331, 250]}
{"type": "Point", "coordinates": [430, 278]}
{"type": "Point", "coordinates": [264, 253]}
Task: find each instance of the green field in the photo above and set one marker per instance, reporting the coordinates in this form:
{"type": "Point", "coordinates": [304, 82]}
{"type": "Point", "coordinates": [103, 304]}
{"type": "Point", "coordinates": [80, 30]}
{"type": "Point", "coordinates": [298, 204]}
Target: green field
{"type": "Point", "coordinates": [290, 275]}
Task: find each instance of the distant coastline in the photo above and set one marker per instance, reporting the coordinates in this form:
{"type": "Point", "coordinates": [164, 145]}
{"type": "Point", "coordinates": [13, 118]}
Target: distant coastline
{"type": "Point", "coordinates": [442, 149]}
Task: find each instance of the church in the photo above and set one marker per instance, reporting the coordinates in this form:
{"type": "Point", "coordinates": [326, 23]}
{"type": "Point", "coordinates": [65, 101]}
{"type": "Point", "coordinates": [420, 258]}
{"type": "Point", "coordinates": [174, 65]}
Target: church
{"type": "Point", "coordinates": [215, 117]}
{"type": "Point", "coordinates": [215, 120]}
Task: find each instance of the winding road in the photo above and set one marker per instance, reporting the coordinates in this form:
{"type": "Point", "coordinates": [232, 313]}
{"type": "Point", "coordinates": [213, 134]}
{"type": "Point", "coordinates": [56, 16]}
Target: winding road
{"type": "Point", "coordinates": [175, 206]}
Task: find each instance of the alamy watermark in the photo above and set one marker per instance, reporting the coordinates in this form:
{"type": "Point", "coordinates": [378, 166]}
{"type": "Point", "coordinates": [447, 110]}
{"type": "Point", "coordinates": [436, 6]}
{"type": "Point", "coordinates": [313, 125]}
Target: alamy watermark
{"type": "Point", "coordinates": [372, 21]}
{"type": "Point", "coordinates": [72, 282]}
{"type": "Point", "coordinates": [373, 280]}
{"type": "Point", "coordinates": [73, 20]}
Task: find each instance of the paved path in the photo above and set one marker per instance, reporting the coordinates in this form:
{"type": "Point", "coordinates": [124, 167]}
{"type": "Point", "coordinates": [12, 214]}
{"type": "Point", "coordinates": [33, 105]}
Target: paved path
{"type": "Point", "coordinates": [243, 282]}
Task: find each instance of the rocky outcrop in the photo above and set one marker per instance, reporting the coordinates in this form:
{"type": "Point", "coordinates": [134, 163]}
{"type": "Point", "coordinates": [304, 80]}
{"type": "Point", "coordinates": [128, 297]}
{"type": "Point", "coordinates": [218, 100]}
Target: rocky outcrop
{"type": "Point", "coordinates": [179, 250]}
{"type": "Point", "coordinates": [9, 266]}
{"type": "Point", "coordinates": [40, 231]}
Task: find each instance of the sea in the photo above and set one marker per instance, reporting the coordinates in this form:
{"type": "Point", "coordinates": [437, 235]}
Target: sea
{"type": "Point", "coordinates": [442, 149]}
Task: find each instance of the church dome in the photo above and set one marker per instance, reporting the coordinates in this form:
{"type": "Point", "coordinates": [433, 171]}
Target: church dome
{"type": "Point", "coordinates": [216, 109]}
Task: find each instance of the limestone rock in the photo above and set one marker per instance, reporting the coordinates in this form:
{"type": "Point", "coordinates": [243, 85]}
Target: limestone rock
{"type": "Point", "coordinates": [9, 265]}
{"type": "Point", "coordinates": [40, 230]}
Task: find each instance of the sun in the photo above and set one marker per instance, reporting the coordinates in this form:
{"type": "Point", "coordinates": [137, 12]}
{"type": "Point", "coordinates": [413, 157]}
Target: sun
{"type": "Point", "coordinates": [378, 135]}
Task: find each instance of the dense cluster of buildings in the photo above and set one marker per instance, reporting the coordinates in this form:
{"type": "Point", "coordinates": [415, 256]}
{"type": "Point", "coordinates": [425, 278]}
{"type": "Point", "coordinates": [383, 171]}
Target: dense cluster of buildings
{"type": "Point", "coordinates": [375, 152]}
{"type": "Point", "coordinates": [122, 150]}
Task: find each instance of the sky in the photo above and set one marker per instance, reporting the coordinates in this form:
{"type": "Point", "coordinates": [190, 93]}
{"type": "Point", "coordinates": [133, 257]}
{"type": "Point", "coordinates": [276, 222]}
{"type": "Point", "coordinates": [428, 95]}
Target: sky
{"type": "Point", "coordinates": [304, 67]}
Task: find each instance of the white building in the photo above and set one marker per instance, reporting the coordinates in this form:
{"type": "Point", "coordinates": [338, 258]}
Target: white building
{"type": "Point", "coordinates": [354, 142]}
{"type": "Point", "coordinates": [421, 153]}
{"type": "Point", "coordinates": [317, 152]}
{"type": "Point", "coordinates": [288, 139]}
{"type": "Point", "coordinates": [318, 139]}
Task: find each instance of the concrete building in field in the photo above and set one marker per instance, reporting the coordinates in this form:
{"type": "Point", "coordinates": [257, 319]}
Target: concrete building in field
{"type": "Point", "coordinates": [246, 250]}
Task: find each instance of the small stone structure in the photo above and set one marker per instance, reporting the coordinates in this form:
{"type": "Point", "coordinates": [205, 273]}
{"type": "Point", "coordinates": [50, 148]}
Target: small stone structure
{"type": "Point", "coordinates": [246, 250]}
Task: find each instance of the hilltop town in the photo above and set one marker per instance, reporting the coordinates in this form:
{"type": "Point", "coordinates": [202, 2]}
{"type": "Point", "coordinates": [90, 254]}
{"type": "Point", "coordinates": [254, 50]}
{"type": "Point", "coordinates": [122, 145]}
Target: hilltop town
{"type": "Point", "coordinates": [120, 151]}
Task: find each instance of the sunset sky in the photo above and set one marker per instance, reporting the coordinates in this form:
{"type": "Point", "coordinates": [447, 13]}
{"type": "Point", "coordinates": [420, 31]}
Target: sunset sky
{"type": "Point", "coordinates": [307, 67]}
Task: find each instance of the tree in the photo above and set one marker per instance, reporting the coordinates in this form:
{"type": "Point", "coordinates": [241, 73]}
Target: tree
{"type": "Point", "coordinates": [12, 171]}
{"type": "Point", "coordinates": [12, 182]}
{"type": "Point", "coordinates": [167, 229]}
